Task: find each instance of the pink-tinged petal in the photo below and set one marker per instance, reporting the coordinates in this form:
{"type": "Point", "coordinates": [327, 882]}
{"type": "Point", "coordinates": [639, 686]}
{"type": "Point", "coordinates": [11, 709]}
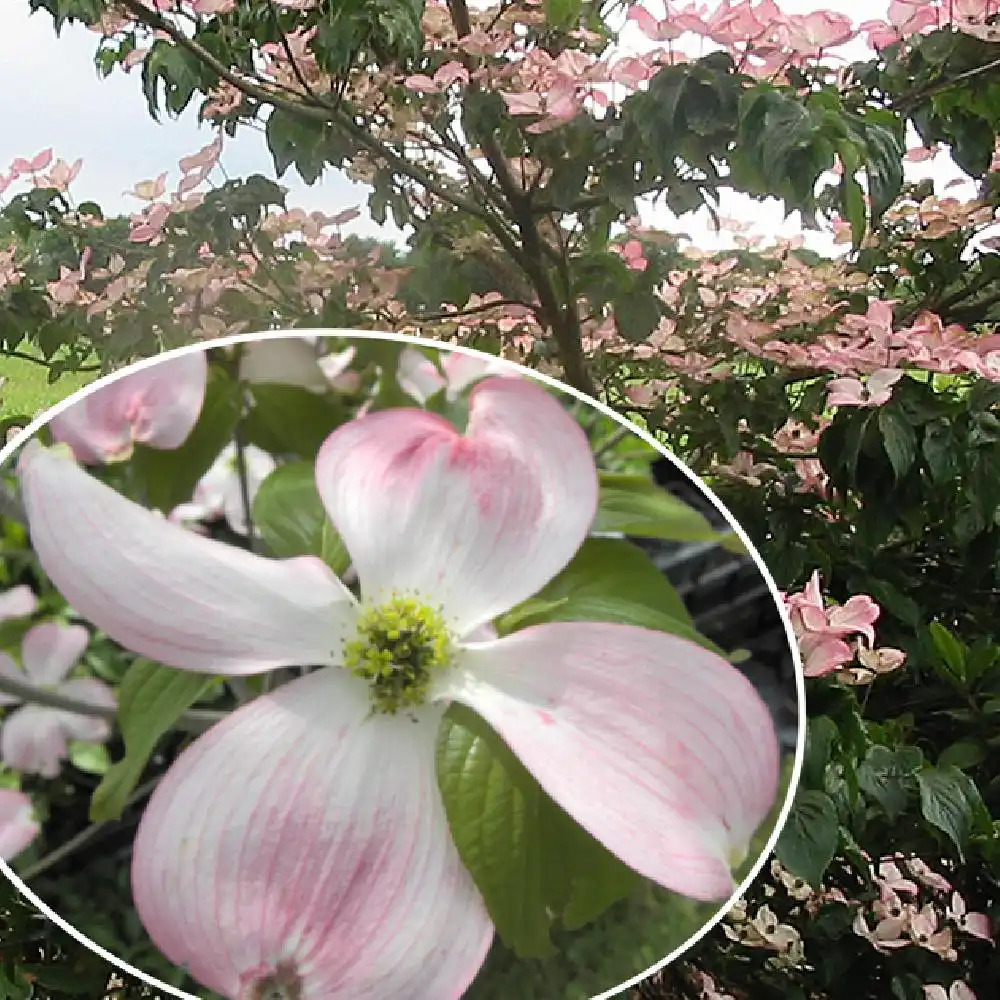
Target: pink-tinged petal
{"type": "Point", "coordinates": [883, 380]}
{"type": "Point", "coordinates": [336, 369]}
{"type": "Point", "coordinates": [95, 437]}
{"type": "Point", "coordinates": [87, 728]}
{"type": "Point", "coordinates": [859, 614]}
{"type": "Point", "coordinates": [845, 392]}
{"type": "Point", "coordinates": [173, 392]}
{"type": "Point", "coordinates": [157, 406]}
{"type": "Point", "coordinates": [168, 593]}
{"type": "Point", "coordinates": [18, 826]}
{"type": "Point", "coordinates": [32, 741]}
{"type": "Point", "coordinates": [474, 522]}
{"type": "Point", "coordinates": [417, 375]}
{"type": "Point", "coordinates": [50, 650]}
{"type": "Point", "coordinates": [18, 602]}
{"type": "Point", "coordinates": [304, 839]}
{"type": "Point", "coordinates": [282, 361]}
{"type": "Point", "coordinates": [662, 750]}
{"type": "Point", "coordinates": [461, 370]}
{"type": "Point", "coordinates": [978, 925]}
{"type": "Point", "coordinates": [823, 654]}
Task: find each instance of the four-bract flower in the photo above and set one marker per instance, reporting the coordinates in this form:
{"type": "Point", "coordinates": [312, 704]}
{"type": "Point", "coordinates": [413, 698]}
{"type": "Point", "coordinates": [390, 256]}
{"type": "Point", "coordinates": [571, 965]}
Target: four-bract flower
{"type": "Point", "coordinates": [301, 846]}
{"type": "Point", "coordinates": [35, 738]}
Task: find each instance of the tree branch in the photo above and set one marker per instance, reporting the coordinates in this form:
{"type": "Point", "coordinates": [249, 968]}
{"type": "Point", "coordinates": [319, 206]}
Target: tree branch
{"type": "Point", "coordinates": [192, 721]}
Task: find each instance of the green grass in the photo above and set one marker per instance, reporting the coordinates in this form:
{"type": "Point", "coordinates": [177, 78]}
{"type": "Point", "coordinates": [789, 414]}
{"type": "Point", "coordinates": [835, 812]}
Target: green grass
{"type": "Point", "coordinates": [27, 391]}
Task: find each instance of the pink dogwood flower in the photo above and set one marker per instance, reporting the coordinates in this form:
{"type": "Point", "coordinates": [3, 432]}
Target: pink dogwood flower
{"type": "Point", "coordinates": [157, 406]}
{"type": "Point", "coordinates": [301, 844]}
{"type": "Point", "coordinates": [219, 492]}
{"type": "Point", "coordinates": [875, 392]}
{"type": "Point", "coordinates": [926, 876]}
{"type": "Point", "coordinates": [420, 378]}
{"type": "Point", "coordinates": [18, 826]}
{"type": "Point", "coordinates": [976, 924]}
{"type": "Point", "coordinates": [34, 738]}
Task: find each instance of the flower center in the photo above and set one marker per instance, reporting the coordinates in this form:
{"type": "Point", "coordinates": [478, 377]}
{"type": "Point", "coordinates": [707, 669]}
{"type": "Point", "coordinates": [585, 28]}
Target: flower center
{"type": "Point", "coordinates": [398, 647]}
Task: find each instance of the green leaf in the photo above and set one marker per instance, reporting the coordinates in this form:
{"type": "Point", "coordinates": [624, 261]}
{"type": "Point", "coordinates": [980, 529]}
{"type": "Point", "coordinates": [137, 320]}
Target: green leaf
{"type": "Point", "coordinates": [288, 512]}
{"type": "Point", "coordinates": [91, 758]}
{"type": "Point", "coordinates": [940, 451]}
{"type": "Point", "coordinates": [809, 839]}
{"type": "Point", "coordinates": [949, 800]}
{"type": "Point", "coordinates": [951, 651]}
{"type": "Point", "coordinates": [898, 439]}
{"type": "Point", "coordinates": [964, 754]}
{"type": "Point", "coordinates": [169, 477]}
{"type": "Point", "coordinates": [634, 505]}
{"type": "Point", "coordinates": [150, 700]}
{"type": "Point", "coordinates": [286, 419]}
{"type": "Point", "coordinates": [332, 549]}
{"type": "Point", "coordinates": [821, 734]}
{"type": "Point", "coordinates": [636, 314]}
{"type": "Point", "coordinates": [885, 775]}
{"type": "Point", "coordinates": [292, 520]}
{"type": "Point", "coordinates": [896, 602]}
{"type": "Point", "coordinates": [532, 863]}
{"type": "Point", "coordinates": [608, 580]}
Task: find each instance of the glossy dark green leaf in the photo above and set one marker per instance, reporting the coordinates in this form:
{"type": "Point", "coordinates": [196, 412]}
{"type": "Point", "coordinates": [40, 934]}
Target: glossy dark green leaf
{"type": "Point", "coordinates": [898, 439]}
{"type": "Point", "coordinates": [608, 580]}
{"type": "Point", "coordinates": [886, 775]}
{"type": "Point", "coordinates": [810, 836]}
{"type": "Point", "coordinates": [949, 800]}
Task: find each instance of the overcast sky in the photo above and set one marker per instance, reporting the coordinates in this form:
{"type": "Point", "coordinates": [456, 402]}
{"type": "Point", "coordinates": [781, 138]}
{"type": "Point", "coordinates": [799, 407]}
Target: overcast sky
{"type": "Point", "coordinates": [53, 97]}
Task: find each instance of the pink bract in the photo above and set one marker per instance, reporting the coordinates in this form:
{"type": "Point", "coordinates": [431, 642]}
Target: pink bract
{"type": "Point", "coordinates": [157, 406]}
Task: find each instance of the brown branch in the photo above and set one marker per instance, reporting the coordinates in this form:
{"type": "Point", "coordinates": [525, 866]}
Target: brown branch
{"type": "Point", "coordinates": [193, 721]}
{"type": "Point", "coordinates": [561, 316]}
{"type": "Point", "coordinates": [473, 310]}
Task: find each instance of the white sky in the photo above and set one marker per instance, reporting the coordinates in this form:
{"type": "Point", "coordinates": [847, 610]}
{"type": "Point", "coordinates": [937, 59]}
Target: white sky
{"type": "Point", "coordinates": [53, 97]}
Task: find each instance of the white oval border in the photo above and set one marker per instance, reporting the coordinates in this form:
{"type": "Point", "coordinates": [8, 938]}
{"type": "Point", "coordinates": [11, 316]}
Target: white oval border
{"type": "Point", "coordinates": [39, 422]}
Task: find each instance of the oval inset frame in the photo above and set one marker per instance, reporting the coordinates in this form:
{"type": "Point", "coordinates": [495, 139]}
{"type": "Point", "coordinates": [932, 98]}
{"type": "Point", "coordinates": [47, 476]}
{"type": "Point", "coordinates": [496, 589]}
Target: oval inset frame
{"type": "Point", "coordinates": [39, 422]}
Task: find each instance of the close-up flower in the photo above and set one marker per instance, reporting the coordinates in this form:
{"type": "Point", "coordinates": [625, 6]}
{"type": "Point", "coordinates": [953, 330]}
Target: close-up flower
{"type": "Point", "coordinates": [303, 844]}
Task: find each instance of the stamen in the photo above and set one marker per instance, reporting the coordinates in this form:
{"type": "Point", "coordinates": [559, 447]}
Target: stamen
{"type": "Point", "coordinates": [399, 646]}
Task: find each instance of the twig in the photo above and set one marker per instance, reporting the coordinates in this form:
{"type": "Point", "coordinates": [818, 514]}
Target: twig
{"type": "Point", "coordinates": [614, 438]}
{"type": "Point", "coordinates": [241, 472]}
{"type": "Point", "coordinates": [192, 721]}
